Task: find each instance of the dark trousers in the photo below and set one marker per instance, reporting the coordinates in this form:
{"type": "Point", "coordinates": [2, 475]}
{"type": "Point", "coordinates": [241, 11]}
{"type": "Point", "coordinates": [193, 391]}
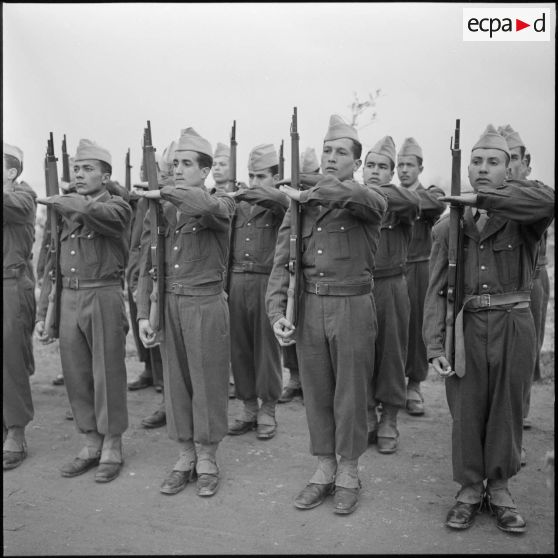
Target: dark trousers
{"type": "Point", "coordinates": [196, 351]}
{"type": "Point", "coordinates": [93, 329]}
{"type": "Point", "coordinates": [486, 404]}
{"type": "Point", "coordinates": [416, 367]}
{"type": "Point", "coordinates": [335, 348]}
{"type": "Point", "coordinates": [255, 354]}
{"type": "Point", "coordinates": [18, 320]}
{"type": "Point", "coordinates": [392, 307]}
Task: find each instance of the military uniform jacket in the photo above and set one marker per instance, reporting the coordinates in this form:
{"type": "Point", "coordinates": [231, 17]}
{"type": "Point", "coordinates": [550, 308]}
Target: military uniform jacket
{"type": "Point", "coordinates": [93, 239]}
{"type": "Point", "coordinates": [196, 243]}
{"type": "Point", "coordinates": [18, 229]}
{"type": "Point", "coordinates": [259, 213]}
{"type": "Point", "coordinates": [340, 235]}
{"type": "Point", "coordinates": [500, 259]}
{"type": "Point", "coordinates": [396, 230]}
{"type": "Point", "coordinates": [139, 208]}
{"type": "Point", "coordinates": [430, 210]}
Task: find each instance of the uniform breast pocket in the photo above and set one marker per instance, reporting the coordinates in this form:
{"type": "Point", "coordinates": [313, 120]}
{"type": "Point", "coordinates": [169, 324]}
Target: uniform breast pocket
{"type": "Point", "coordinates": [267, 235]}
{"type": "Point", "coordinates": [191, 242]}
{"type": "Point", "coordinates": [507, 254]}
{"type": "Point", "coordinates": [89, 246]}
{"type": "Point", "coordinates": [340, 237]}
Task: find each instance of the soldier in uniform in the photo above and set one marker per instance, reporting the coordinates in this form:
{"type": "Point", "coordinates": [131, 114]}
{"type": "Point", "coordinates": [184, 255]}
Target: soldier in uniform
{"type": "Point", "coordinates": [195, 344]}
{"type": "Point", "coordinates": [494, 332]}
{"type": "Point", "coordinates": [391, 296]}
{"type": "Point", "coordinates": [309, 164]}
{"type": "Point", "coordinates": [409, 168]}
{"type": "Point", "coordinates": [337, 319]}
{"type": "Point", "coordinates": [18, 231]}
{"type": "Point", "coordinates": [93, 322]}
{"type": "Point", "coordinates": [255, 355]}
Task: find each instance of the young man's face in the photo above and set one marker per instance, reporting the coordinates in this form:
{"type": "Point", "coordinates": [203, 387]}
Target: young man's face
{"type": "Point", "coordinates": [338, 158]}
{"type": "Point", "coordinates": [220, 170]}
{"type": "Point", "coordinates": [262, 178]}
{"type": "Point", "coordinates": [488, 167]}
{"type": "Point", "coordinates": [187, 171]}
{"type": "Point", "coordinates": [89, 177]}
{"type": "Point", "coordinates": [517, 169]}
{"type": "Point", "coordinates": [377, 170]}
{"type": "Point", "coordinates": [408, 170]}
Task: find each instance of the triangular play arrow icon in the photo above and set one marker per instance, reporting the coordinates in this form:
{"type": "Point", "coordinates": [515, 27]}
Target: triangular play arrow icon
{"type": "Point", "coordinates": [519, 25]}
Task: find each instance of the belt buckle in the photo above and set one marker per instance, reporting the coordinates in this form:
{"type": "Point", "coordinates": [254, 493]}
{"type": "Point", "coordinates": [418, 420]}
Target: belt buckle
{"type": "Point", "coordinates": [73, 283]}
{"type": "Point", "coordinates": [317, 289]}
{"type": "Point", "coordinates": [485, 300]}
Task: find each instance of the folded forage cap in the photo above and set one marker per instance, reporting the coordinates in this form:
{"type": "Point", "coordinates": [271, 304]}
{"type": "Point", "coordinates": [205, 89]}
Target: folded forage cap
{"type": "Point", "coordinates": [410, 147]}
{"type": "Point", "coordinates": [262, 157]}
{"type": "Point", "coordinates": [88, 149]}
{"type": "Point", "coordinates": [13, 151]}
{"type": "Point", "coordinates": [309, 161]}
{"type": "Point", "coordinates": [512, 138]}
{"type": "Point", "coordinates": [338, 129]}
{"type": "Point", "coordinates": [386, 147]}
{"type": "Point", "coordinates": [190, 140]}
{"type": "Point", "coordinates": [491, 139]}
{"type": "Point", "coordinates": [222, 150]}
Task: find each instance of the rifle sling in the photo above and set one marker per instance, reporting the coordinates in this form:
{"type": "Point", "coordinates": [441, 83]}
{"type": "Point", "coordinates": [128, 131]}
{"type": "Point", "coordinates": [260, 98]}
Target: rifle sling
{"type": "Point", "coordinates": [483, 302]}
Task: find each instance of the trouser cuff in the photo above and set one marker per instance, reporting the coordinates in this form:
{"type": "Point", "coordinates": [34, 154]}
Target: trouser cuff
{"type": "Point", "coordinates": [327, 467]}
{"type": "Point", "coordinates": [471, 494]}
{"type": "Point", "coordinates": [207, 462]}
{"type": "Point", "coordinates": [112, 449]}
{"type": "Point", "coordinates": [249, 410]}
{"type": "Point", "coordinates": [187, 458]}
{"type": "Point", "coordinates": [93, 445]}
{"type": "Point", "coordinates": [347, 473]}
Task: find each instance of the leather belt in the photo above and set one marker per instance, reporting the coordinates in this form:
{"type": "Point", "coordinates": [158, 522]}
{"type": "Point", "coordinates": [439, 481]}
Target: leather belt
{"type": "Point", "coordinates": [389, 271]}
{"type": "Point", "coordinates": [485, 301]}
{"type": "Point", "coordinates": [12, 273]}
{"type": "Point", "coordinates": [331, 289]}
{"type": "Point", "coordinates": [250, 267]}
{"type": "Point", "coordinates": [77, 284]}
{"type": "Point", "coordinates": [418, 259]}
{"type": "Point", "coordinates": [175, 287]}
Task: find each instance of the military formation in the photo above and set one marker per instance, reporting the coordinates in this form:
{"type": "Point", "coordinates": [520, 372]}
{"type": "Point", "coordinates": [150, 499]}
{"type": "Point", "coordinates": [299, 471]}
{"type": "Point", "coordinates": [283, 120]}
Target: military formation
{"type": "Point", "coordinates": [358, 288]}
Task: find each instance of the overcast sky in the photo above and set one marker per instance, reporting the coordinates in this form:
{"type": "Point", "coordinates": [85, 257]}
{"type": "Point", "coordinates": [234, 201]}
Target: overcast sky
{"type": "Point", "coordinates": [100, 71]}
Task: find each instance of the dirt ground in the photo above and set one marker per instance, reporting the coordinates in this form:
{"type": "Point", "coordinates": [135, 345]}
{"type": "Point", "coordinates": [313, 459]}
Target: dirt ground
{"type": "Point", "coordinates": [404, 500]}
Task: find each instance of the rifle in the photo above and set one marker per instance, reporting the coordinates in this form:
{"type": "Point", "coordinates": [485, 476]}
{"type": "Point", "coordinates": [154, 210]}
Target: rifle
{"type": "Point", "coordinates": [128, 182]}
{"type": "Point", "coordinates": [233, 188]}
{"type": "Point", "coordinates": [281, 161]}
{"type": "Point", "coordinates": [52, 320]}
{"type": "Point", "coordinates": [65, 162]}
{"type": "Point", "coordinates": [157, 271]}
{"type": "Point", "coordinates": [455, 250]}
{"type": "Point", "coordinates": [295, 255]}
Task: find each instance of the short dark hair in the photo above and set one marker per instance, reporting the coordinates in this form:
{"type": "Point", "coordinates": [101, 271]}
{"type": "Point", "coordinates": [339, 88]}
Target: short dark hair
{"type": "Point", "coordinates": [105, 167]}
{"type": "Point", "coordinates": [204, 160]}
{"type": "Point", "coordinates": [274, 170]}
{"type": "Point", "coordinates": [13, 163]}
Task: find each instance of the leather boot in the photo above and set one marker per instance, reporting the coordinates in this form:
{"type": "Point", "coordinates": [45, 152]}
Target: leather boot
{"type": "Point", "coordinates": [111, 459]}
{"type": "Point", "coordinates": [388, 435]}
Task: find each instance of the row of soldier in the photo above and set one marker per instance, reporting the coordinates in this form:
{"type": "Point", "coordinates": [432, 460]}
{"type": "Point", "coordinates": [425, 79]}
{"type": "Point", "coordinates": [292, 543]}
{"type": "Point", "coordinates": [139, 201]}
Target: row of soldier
{"type": "Point", "coordinates": [362, 346]}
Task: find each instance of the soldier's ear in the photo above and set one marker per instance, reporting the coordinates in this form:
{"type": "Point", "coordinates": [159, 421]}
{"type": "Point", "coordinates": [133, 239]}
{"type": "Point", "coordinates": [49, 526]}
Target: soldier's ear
{"type": "Point", "coordinates": [357, 164]}
{"type": "Point", "coordinates": [204, 171]}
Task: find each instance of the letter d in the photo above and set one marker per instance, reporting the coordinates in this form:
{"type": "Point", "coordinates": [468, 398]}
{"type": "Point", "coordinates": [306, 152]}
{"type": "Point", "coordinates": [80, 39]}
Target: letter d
{"type": "Point", "coordinates": [535, 24]}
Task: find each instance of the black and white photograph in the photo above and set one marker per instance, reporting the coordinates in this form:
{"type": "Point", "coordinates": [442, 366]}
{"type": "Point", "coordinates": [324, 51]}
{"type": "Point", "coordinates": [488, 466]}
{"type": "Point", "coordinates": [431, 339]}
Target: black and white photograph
{"type": "Point", "coordinates": [278, 278]}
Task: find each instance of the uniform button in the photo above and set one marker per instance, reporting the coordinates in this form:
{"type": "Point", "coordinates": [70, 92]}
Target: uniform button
{"type": "Point", "coordinates": [322, 273]}
{"type": "Point", "coordinates": [193, 228]}
{"type": "Point", "coordinates": [72, 236]}
{"type": "Point", "coordinates": [247, 240]}
{"type": "Point", "coordinates": [485, 286]}
{"type": "Point", "coordinates": [319, 229]}
{"type": "Point", "coordinates": [481, 246]}
{"type": "Point", "coordinates": [390, 227]}
{"type": "Point", "coordinates": [88, 236]}
{"type": "Point", "coordinates": [247, 255]}
{"type": "Point", "coordinates": [249, 224]}
{"type": "Point", "coordinates": [343, 228]}
{"type": "Point", "coordinates": [73, 252]}
{"type": "Point", "coordinates": [267, 224]}
{"type": "Point", "coordinates": [509, 246]}
{"type": "Point", "coordinates": [320, 251]}
{"type": "Point", "coordinates": [483, 267]}
{"type": "Point", "coordinates": [176, 266]}
{"type": "Point", "coordinates": [175, 248]}
{"type": "Point", "coordinates": [73, 269]}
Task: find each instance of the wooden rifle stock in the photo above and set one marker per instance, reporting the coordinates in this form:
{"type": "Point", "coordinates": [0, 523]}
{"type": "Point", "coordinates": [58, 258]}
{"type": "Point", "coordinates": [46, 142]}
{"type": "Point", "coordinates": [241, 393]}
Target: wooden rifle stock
{"type": "Point", "coordinates": [128, 180]}
{"type": "Point", "coordinates": [52, 320]}
{"type": "Point", "coordinates": [65, 162]}
{"type": "Point", "coordinates": [455, 251]}
{"type": "Point", "coordinates": [157, 247]}
{"type": "Point", "coordinates": [294, 265]}
{"type": "Point", "coordinates": [233, 187]}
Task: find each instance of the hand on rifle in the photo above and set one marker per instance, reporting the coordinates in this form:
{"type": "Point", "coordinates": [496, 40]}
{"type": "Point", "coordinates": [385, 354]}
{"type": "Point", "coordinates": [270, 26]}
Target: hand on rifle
{"type": "Point", "coordinates": [149, 194]}
{"type": "Point", "coordinates": [44, 201]}
{"type": "Point", "coordinates": [41, 334]}
{"type": "Point", "coordinates": [146, 333]}
{"type": "Point", "coordinates": [283, 330]}
{"type": "Point", "coordinates": [292, 193]}
{"type": "Point", "coordinates": [465, 199]}
{"type": "Point", "coordinates": [442, 366]}
{"type": "Point", "coordinates": [307, 180]}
